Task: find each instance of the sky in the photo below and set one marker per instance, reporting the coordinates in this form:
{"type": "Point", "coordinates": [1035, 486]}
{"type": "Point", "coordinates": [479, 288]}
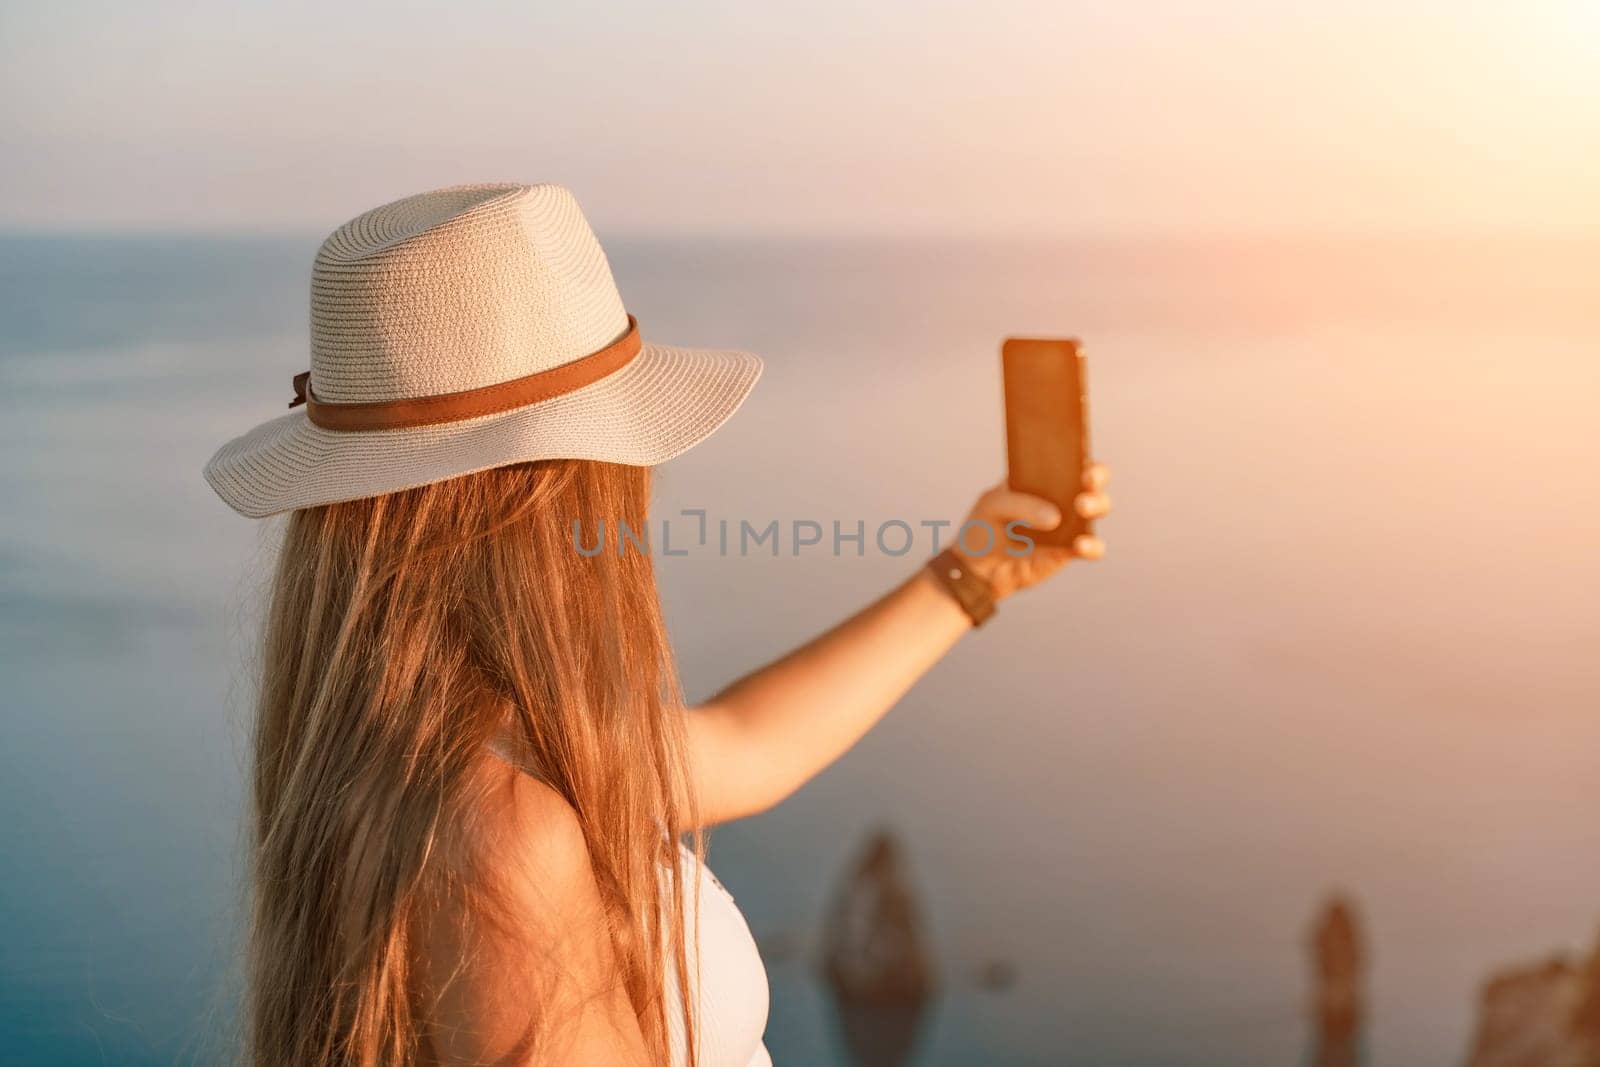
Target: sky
{"type": "Point", "coordinates": [817, 118]}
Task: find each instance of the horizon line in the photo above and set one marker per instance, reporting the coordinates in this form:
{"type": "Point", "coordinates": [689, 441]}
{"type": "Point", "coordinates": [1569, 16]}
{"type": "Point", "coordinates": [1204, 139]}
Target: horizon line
{"type": "Point", "coordinates": [1577, 232]}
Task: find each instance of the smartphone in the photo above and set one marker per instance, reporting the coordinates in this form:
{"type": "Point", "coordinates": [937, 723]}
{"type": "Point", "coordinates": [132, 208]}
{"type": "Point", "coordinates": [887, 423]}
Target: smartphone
{"type": "Point", "coordinates": [1047, 428]}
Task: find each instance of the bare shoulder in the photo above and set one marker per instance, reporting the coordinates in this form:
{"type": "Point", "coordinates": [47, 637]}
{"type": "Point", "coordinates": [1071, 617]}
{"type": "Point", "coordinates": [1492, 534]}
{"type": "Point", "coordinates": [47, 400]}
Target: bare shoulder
{"type": "Point", "coordinates": [531, 843]}
{"type": "Point", "coordinates": [526, 961]}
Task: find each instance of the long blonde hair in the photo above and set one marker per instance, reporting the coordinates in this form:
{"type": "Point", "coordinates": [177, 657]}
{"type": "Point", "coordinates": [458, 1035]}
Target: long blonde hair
{"type": "Point", "coordinates": [407, 632]}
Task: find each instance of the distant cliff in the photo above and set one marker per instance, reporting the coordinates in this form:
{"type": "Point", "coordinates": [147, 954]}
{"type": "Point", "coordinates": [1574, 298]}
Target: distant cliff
{"type": "Point", "coordinates": [1544, 1015]}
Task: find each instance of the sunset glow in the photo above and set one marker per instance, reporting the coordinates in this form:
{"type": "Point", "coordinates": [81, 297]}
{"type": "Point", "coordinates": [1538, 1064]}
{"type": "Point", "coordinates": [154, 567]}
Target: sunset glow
{"type": "Point", "coordinates": [1031, 117]}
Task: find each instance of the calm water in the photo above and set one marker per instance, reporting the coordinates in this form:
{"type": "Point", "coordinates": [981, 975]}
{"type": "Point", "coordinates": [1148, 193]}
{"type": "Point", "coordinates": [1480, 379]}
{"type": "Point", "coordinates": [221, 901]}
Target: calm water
{"type": "Point", "coordinates": [1345, 636]}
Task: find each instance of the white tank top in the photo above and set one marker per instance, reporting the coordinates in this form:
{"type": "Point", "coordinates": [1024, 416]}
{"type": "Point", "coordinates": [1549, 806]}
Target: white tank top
{"type": "Point", "coordinates": [731, 1013]}
{"type": "Point", "coordinates": [732, 1004]}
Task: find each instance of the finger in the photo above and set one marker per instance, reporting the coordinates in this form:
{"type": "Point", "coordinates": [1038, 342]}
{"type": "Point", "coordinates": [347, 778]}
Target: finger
{"type": "Point", "coordinates": [1008, 504]}
{"type": "Point", "coordinates": [1085, 546]}
{"type": "Point", "coordinates": [1091, 505]}
{"type": "Point", "coordinates": [1097, 477]}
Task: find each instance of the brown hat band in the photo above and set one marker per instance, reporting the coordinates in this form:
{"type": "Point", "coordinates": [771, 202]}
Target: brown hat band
{"type": "Point", "coordinates": [469, 403]}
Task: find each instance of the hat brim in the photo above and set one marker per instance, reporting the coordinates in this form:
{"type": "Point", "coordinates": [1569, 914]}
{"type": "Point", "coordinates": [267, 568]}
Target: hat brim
{"type": "Point", "coordinates": [665, 401]}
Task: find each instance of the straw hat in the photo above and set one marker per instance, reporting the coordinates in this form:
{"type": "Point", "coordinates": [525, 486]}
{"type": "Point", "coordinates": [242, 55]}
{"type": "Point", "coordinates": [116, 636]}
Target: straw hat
{"type": "Point", "coordinates": [464, 329]}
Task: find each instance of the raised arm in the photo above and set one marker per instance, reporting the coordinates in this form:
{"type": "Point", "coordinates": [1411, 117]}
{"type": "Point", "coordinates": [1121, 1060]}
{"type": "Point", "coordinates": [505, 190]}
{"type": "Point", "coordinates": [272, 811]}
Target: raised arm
{"type": "Point", "coordinates": [766, 735]}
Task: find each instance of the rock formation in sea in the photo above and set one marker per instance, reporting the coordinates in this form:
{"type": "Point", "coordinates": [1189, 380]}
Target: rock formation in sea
{"type": "Point", "coordinates": [1540, 1015]}
{"type": "Point", "coordinates": [875, 957]}
{"type": "Point", "coordinates": [1338, 1003]}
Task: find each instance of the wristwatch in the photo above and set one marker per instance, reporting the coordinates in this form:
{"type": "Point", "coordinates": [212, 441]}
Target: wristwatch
{"type": "Point", "coordinates": [970, 589]}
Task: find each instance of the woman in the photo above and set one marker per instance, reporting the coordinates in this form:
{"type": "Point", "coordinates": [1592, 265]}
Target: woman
{"type": "Point", "coordinates": [474, 777]}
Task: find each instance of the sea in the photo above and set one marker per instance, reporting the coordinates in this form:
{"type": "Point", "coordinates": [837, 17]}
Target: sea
{"type": "Point", "coordinates": [1345, 638]}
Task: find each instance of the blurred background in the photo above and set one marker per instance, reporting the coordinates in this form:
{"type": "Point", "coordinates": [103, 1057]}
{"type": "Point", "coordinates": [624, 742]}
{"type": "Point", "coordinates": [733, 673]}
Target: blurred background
{"type": "Point", "coordinates": [1338, 272]}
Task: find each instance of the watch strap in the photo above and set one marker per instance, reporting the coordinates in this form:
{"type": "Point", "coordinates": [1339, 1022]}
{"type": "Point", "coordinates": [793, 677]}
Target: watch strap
{"type": "Point", "coordinates": [969, 589]}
